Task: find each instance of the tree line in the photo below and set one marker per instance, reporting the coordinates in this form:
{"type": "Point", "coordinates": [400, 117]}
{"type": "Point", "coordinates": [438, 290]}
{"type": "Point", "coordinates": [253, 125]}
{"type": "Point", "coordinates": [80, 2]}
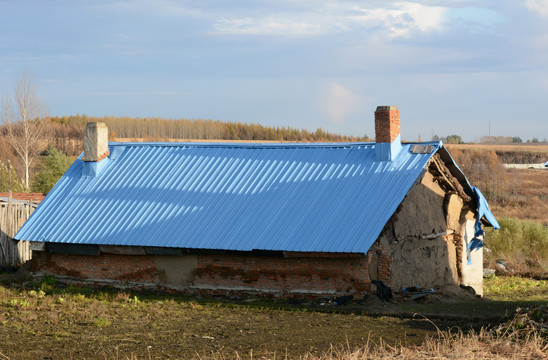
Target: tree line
{"type": "Point", "coordinates": [510, 140]}
{"type": "Point", "coordinates": [68, 131]}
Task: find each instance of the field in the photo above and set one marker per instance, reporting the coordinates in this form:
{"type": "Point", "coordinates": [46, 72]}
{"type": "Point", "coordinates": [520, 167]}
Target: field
{"type": "Point", "coordinates": [521, 193]}
{"type": "Point", "coordinates": [44, 320]}
{"type": "Point", "coordinates": [520, 147]}
{"type": "Point", "coordinates": [509, 153]}
{"type": "Point", "coordinates": [528, 196]}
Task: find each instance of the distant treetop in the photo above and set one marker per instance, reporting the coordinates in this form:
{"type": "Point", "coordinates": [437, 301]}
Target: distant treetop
{"type": "Point", "coordinates": [157, 129]}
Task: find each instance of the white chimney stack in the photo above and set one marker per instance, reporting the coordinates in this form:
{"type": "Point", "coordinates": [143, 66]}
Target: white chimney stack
{"type": "Point", "coordinates": [95, 142]}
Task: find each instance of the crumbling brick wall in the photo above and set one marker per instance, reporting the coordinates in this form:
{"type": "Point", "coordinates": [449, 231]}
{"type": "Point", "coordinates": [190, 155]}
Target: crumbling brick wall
{"type": "Point", "coordinates": [309, 274]}
{"type": "Point", "coordinates": [138, 268]}
{"type": "Point", "coordinates": [296, 273]}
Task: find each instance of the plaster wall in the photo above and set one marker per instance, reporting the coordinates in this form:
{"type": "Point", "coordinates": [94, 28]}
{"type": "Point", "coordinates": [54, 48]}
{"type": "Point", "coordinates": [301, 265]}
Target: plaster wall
{"type": "Point", "coordinates": [421, 212]}
{"type": "Point", "coordinates": [419, 243]}
{"type": "Point", "coordinates": [472, 262]}
{"type": "Point", "coordinates": [176, 270]}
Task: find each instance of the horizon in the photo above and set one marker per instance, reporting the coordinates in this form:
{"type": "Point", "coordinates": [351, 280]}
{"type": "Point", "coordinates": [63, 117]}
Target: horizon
{"type": "Point", "coordinates": [465, 68]}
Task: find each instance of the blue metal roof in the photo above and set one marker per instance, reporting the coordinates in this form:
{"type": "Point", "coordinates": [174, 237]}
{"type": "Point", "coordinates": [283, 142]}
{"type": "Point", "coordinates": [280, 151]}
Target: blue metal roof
{"type": "Point", "coordinates": [285, 197]}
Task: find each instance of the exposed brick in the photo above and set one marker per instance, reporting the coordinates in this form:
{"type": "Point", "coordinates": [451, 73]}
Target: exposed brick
{"type": "Point", "coordinates": [103, 267]}
{"type": "Point", "coordinates": [329, 274]}
{"type": "Point", "coordinates": [387, 124]}
{"type": "Point", "coordinates": [325, 274]}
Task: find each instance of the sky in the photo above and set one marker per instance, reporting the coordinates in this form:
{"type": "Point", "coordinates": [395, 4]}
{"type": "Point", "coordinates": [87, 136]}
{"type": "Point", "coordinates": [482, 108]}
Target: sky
{"type": "Point", "coordinates": [452, 67]}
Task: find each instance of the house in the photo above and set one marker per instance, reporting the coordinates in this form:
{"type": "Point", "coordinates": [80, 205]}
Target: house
{"type": "Point", "coordinates": [280, 219]}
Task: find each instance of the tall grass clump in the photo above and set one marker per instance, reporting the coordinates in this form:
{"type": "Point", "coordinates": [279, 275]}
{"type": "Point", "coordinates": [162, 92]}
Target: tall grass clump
{"type": "Point", "coordinates": [524, 242]}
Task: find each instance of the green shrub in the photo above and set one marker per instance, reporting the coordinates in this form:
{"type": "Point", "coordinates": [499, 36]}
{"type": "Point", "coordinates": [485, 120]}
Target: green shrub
{"type": "Point", "coordinates": [53, 166]}
{"type": "Point", "coordinates": [102, 322]}
{"type": "Point", "coordinates": [47, 285]}
{"type": "Point", "coordinates": [524, 242]}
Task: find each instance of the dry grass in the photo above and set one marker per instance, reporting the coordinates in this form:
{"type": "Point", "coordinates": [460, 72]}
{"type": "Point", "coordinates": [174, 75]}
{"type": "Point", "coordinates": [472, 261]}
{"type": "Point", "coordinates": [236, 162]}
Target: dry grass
{"type": "Point", "coordinates": [539, 147]}
{"type": "Point", "coordinates": [527, 196]}
{"type": "Point", "coordinates": [523, 336]}
{"type": "Point", "coordinates": [482, 345]}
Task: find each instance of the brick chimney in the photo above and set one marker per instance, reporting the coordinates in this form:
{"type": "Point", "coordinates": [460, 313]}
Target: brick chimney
{"type": "Point", "coordinates": [95, 142]}
{"type": "Point", "coordinates": [387, 133]}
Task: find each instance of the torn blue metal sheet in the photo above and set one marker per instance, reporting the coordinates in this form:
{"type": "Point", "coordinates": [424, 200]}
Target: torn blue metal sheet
{"type": "Point", "coordinates": [483, 213]}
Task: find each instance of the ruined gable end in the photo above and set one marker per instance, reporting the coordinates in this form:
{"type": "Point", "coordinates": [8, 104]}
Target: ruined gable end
{"type": "Point", "coordinates": [424, 240]}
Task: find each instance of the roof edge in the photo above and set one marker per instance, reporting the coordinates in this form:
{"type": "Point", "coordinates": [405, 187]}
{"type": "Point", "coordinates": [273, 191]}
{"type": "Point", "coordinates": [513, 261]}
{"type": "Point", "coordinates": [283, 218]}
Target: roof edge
{"type": "Point", "coordinates": [482, 207]}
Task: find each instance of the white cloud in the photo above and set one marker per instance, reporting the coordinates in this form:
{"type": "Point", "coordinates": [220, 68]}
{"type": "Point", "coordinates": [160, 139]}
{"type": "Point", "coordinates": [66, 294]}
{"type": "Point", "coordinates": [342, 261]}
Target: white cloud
{"type": "Point", "coordinates": [539, 6]}
{"type": "Point", "coordinates": [392, 19]}
{"type": "Point", "coordinates": [400, 19]}
{"type": "Point", "coordinates": [425, 18]}
{"type": "Point", "coordinates": [340, 102]}
{"type": "Point", "coordinates": [405, 18]}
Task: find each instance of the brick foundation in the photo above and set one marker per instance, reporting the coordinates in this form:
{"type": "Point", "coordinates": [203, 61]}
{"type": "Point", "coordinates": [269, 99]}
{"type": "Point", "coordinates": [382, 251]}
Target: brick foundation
{"type": "Point", "coordinates": [104, 267]}
{"type": "Point", "coordinates": [288, 275]}
{"type": "Point", "coordinates": [308, 274]}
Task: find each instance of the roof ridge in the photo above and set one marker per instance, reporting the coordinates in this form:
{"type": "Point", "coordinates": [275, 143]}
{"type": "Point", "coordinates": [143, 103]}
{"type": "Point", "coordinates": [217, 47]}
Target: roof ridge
{"type": "Point", "coordinates": [243, 145]}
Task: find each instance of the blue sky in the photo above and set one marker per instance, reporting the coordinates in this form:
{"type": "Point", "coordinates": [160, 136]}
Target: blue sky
{"type": "Point", "coordinates": [451, 67]}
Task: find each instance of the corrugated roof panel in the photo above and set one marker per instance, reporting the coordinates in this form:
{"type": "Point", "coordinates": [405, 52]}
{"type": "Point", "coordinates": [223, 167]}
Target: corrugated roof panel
{"type": "Point", "coordinates": [286, 197]}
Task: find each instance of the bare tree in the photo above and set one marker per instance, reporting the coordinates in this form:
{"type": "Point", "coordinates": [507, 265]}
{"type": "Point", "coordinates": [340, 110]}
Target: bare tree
{"type": "Point", "coordinates": [26, 129]}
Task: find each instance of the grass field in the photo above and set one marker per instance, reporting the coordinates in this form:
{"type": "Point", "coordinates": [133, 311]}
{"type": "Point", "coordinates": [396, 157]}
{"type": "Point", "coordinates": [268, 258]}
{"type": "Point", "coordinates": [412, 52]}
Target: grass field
{"type": "Point", "coordinates": [47, 321]}
{"type": "Point", "coordinates": [523, 147]}
{"type": "Point", "coordinates": [523, 242]}
{"type": "Point", "coordinates": [527, 196]}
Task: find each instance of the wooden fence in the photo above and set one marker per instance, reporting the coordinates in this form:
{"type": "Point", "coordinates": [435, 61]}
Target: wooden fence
{"type": "Point", "coordinates": [12, 216]}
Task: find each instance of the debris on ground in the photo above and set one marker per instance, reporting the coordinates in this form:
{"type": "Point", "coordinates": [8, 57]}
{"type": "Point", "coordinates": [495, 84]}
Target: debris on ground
{"type": "Point", "coordinates": [414, 293]}
{"type": "Point", "coordinates": [383, 291]}
{"type": "Point", "coordinates": [506, 267]}
{"type": "Point", "coordinates": [343, 300]}
{"type": "Point", "coordinates": [524, 323]}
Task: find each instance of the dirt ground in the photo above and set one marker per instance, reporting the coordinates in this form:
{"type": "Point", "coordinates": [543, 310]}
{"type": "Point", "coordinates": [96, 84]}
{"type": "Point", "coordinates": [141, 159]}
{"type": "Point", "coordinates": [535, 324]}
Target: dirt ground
{"type": "Point", "coordinates": [49, 321]}
{"type": "Point", "coordinates": [80, 326]}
